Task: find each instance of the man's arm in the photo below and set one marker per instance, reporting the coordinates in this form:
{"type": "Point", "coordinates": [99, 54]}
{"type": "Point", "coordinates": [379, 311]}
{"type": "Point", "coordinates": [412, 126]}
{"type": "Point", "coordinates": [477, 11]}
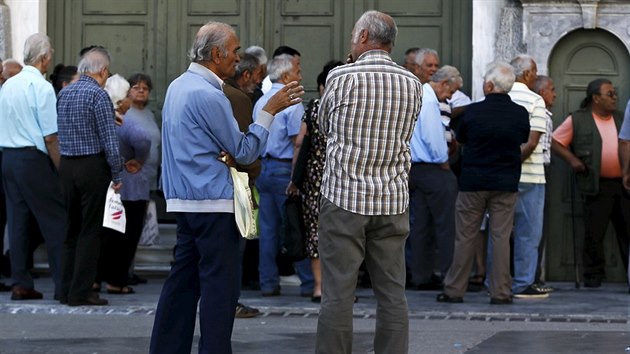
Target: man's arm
{"type": "Point", "coordinates": [530, 145]}
{"type": "Point", "coordinates": [624, 159]}
{"type": "Point", "coordinates": [576, 164]}
{"type": "Point", "coordinates": [52, 145]}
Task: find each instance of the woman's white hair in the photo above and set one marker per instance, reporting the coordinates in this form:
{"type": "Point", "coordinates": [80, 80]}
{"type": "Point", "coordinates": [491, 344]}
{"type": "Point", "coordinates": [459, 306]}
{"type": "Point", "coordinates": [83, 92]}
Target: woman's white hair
{"type": "Point", "coordinates": [117, 88]}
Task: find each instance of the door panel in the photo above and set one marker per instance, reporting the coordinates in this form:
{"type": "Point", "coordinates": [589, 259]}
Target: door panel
{"type": "Point", "coordinates": [579, 58]}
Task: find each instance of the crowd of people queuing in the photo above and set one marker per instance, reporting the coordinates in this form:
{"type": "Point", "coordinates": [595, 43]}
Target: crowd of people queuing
{"type": "Point", "coordinates": [398, 172]}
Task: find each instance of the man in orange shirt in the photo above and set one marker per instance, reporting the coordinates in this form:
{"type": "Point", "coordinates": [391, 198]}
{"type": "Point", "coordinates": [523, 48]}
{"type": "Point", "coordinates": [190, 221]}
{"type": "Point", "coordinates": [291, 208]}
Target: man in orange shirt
{"type": "Point", "coordinates": [587, 140]}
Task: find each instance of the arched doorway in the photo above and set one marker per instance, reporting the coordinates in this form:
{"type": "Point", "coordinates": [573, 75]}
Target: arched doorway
{"type": "Point", "coordinates": [578, 58]}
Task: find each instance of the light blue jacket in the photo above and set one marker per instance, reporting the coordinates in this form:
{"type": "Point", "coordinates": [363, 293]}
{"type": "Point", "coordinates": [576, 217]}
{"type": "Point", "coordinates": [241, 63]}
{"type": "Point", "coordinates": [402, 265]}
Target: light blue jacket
{"type": "Point", "coordinates": [197, 125]}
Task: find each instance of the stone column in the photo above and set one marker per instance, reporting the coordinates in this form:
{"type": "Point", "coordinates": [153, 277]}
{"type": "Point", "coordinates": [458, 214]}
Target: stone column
{"type": "Point", "coordinates": [5, 31]}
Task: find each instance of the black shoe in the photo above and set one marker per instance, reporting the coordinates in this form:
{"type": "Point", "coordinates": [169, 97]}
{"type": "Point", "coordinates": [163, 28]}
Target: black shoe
{"type": "Point", "coordinates": [316, 299]}
{"type": "Point", "coordinates": [135, 279]}
{"type": "Point", "coordinates": [429, 286]}
{"type": "Point", "coordinates": [92, 300]}
{"type": "Point", "coordinates": [592, 282]}
{"type": "Point", "coordinates": [450, 299]}
{"type": "Point", "coordinates": [274, 292]}
{"type": "Point", "coordinates": [543, 287]}
{"type": "Point", "coordinates": [497, 301]}
{"type": "Point", "coordinates": [531, 293]}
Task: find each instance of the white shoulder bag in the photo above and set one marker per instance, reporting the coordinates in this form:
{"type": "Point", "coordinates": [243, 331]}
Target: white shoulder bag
{"type": "Point", "coordinates": [243, 205]}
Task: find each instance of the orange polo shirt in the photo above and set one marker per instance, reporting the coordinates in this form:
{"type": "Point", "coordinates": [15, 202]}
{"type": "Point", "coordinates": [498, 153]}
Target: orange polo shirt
{"type": "Point", "coordinates": [610, 167]}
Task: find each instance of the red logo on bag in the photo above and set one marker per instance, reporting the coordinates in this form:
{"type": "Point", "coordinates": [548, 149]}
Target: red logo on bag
{"type": "Point", "coordinates": [117, 215]}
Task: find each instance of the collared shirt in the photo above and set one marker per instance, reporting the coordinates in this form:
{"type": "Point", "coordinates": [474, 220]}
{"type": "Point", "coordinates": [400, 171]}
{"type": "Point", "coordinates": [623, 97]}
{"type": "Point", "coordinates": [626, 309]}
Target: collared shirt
{"type": "Point", "coordinates": [28, 112]}
{"type": "Point", "coordinates": [197, 125]}
{"type": "Point", "coordinates": [546, 138]}
{"type": "Point", "coordinates": [286, 125]}
{"type": "Point", "coordinates": [139, 139]}
{"type": "Point", "coordinates": [427, 142]}
{"type": "Point", "coordinates": [368, 113]}
{"type": "Point", "coordinates": [86, 123]}
{"type": "Point", "coordinates": [533, 169]}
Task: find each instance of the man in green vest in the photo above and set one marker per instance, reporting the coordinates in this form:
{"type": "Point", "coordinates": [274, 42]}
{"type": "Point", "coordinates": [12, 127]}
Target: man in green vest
{"type": "Point", "coordinates": [587, 140]}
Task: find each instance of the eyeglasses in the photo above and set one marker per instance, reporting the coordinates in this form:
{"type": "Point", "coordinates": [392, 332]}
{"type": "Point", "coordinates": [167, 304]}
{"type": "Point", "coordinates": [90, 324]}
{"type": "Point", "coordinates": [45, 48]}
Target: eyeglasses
{"type": "Point", "coordinates": [609, 94]}
{"type": "Point", "coordinates": [140, 87]}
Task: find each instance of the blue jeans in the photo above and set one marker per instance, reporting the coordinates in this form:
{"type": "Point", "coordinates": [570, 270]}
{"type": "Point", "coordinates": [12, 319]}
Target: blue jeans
{"type": "Point", "coordinates": [528, 228]}
{"type": "Point", "coordinates": [272, 183]}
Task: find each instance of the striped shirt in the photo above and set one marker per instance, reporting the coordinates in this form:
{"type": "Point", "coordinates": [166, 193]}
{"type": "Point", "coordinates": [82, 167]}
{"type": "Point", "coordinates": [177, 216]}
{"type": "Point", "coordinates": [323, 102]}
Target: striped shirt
{"type": "Point", "coordinates": [368, 113]}
{"type": "Point", "coordinates": [533, 169]}
{"type": "Point", "coordinates": [85, 116]}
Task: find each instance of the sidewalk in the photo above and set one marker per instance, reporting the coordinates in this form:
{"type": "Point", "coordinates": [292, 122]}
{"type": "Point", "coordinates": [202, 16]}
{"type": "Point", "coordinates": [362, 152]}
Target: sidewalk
{"type": "Point", "coordinates": [569, 321]}
{"type": "Point", "coordinates": [610, 303]}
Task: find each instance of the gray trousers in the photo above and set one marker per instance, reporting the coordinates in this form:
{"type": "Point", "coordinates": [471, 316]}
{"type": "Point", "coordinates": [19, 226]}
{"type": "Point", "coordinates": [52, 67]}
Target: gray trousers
{"type": "Point", "coordinates": [345, 240]}
{"type": "Point", "coordinates": [470, 208]}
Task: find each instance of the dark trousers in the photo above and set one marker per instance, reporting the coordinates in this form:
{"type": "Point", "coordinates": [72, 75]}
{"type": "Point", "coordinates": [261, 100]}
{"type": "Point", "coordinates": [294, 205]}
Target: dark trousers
{"type": "Point", "coordinates": [117, 249]}
{"type": "Point", "coordinates": [85, 181]}
{"type": "Point", "coordinates": [205, 271]}
{"type": "Point", "coordinates": [433, 191]}
{"type": "Point", "coordinates": [612, 204]}
{"type": "Point", "coordinates": [4, 265]}
{"type": "Point", "coordinates": [32, 188]}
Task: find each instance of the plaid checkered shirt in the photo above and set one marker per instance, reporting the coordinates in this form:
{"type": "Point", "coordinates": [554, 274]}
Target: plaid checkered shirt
{"type": "Point", "coordinates": [85, 119]}
{"type": "Point", "coordinates": [368, 113]}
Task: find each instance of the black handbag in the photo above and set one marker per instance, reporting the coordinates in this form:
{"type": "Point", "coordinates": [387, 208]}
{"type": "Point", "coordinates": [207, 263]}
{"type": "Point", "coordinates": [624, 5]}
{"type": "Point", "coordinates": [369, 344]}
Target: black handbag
{"type": "Point", "coordinates": [292, 241]}
{"type": "Point", "coordinates": [305, 149]}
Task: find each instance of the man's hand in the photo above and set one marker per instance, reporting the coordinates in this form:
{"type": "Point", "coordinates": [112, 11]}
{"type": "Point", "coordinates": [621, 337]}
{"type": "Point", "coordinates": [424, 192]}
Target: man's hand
{"type": "Point", "coordinates": [577, 165]}
{"type": "Point", "coordinates": [227, 159]}
{"type": "Point", "coordinates": [116, 187]}
{"type": "Point", "coordinates": [133, 166]}
{"type": "Point", "coordinates": [288, 96]}
{"type": "Point", "coordinates": [292, 190]}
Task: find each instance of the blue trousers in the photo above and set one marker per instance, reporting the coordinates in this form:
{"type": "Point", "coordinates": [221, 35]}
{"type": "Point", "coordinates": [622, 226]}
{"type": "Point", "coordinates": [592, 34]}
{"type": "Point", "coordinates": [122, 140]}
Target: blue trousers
{"type": "Point", "coordinates": [205, 272]}
{"type": "Point", "coordinates": [272, 184]}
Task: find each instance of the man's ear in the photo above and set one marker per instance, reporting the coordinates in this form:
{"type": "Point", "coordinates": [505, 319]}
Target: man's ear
{"type": "Point", "coordinates": [215, 54]}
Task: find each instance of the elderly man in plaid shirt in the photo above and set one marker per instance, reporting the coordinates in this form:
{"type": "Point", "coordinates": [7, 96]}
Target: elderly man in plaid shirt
{"type": "Point", "coordinates": [367, 112]}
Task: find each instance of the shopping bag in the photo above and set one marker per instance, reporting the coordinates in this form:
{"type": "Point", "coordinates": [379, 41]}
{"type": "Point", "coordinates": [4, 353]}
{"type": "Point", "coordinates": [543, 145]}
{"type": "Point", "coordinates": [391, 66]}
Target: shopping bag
{"type": "Point", "coordinates": [114, 215]}
{"type": "Point", "coordinates": [243, 205]}
{"type": "Point", "coordinates": [150, 230]}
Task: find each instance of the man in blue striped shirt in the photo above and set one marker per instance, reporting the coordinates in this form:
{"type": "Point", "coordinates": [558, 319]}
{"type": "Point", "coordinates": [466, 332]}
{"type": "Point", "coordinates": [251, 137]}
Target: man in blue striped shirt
{"type": "Point", "coordinates": [90, 160]}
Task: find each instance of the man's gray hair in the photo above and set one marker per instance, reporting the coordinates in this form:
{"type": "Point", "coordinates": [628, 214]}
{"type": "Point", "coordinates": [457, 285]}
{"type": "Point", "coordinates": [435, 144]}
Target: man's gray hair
{"type": "Point", "coordinates": [36, 48]}
{"type": "Point", "coordinates": [541, 82]}
{"type": "Point", "coordinates": [381, 28]}
{"type": "Point", "coordinates": [212, 34]}
{"type": "Point", "coordinates": [94, 61]}
{"type": "Point", "coordinates": [423, 52]}
{"type": "Point", "coordinates": [501, 74]}
{"type": "Point", "coordinates": [258, 52]}
{"type": "Point", "coordinates": [279, 66]}
{"type": "Point", "coordinates": [522, 63]}
{"type": "Point", "coordinates": [248, 63]}
{"type": "Point", "coordinates": [448, 73]}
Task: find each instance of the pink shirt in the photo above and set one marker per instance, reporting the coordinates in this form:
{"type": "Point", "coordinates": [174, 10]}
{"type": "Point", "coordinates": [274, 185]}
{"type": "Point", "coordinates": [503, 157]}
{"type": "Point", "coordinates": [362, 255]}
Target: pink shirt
{"type": "Point", "coordinates": [610, 167]}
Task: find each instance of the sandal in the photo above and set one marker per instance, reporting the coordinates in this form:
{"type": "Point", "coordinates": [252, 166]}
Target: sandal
{"type": "Point", "coordinates": [123, 290]}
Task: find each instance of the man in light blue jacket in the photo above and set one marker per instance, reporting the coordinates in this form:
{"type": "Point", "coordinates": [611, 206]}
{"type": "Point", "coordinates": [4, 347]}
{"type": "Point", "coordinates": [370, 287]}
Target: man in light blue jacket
{"type": "Point", "coordinates": [198, 129]}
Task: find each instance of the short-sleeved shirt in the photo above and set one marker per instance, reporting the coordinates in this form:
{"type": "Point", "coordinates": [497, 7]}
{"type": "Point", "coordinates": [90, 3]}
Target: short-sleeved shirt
{"type": "Point", "coordinates": [610, 167]}
{"type": "Point", "coordinates": [533, 168]}
{"type": "Point", "coordinates": [286, 125]}
{"type": "Point", "coordinates": [368, 113]}
{"type": "Point", "coordinates": [29, 110]}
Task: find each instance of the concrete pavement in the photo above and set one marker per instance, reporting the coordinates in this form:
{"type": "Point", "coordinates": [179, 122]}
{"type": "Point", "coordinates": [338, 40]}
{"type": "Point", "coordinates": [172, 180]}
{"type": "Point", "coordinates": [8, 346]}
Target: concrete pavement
{"type": "Point", "coordinates": [569, 321]}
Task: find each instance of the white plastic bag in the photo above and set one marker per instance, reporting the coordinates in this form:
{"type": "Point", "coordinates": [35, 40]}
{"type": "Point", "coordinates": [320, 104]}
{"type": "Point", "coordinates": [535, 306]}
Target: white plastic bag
{"type": "Point", "coordinates": [243, 205]}
{"type": "Point", "coordinates": [150, 230]}
{"type": "Point", "coordinates": [114, 216]}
